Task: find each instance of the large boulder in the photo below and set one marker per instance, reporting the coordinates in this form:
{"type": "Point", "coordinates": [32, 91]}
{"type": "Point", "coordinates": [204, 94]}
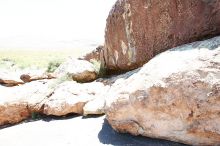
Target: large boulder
{"type": "Point", "coordinates": [137, 30]}
{"type": "Point", "coordinates": [19, 102]}
{"type": "Point", "coordinates": [175, 96]}
{"type": "Point", "coordinates": [78, 70]}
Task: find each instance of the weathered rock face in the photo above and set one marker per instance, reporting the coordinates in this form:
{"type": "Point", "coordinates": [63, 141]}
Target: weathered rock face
{"type": "Point", "coordinates": [49, 97]}
{"type": "Point", "coordinates": [97, 106]}
{"type": "Point", "coordinates": [13, 113]}
{"type": "Point", "coordinates": [70, 97]}
{"type": "Point", "coordinates": [33, 77]}
{"type": "Point", "coordinates": [19, 77]}
{"type": "Point", "coordinates": [10, 79]}
{"type": "Point", "coordinates": [175, 96]}
{"type": "Point", "coordinates": [17, 103]}
{"type": "Point", "coordinates": [78, 70]}
{"type": "Point", "coordinates": [137, 30]}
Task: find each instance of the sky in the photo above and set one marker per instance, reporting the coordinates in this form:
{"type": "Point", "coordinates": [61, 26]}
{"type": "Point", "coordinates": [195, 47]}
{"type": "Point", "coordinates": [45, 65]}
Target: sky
{"type": "Point", "coordinates": [53, 23]}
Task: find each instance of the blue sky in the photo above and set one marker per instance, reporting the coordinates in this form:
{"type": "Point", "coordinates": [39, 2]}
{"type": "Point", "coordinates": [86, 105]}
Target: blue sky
{"type": "Point", "coordinates": [52, 23]}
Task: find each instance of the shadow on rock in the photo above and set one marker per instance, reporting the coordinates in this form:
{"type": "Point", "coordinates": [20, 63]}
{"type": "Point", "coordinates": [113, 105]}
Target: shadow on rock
{"type": "Point", "coordinates": [92, 116]}
{"type": "Point", "coordinates": [48, 118]}
{"type": "Point", "coordinates": [107, 135]}
{"type": "Point", "coordinates": [45, 118]}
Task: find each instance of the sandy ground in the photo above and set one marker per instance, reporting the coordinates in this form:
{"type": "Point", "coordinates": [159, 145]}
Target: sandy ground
{"type": "Point", "coordinates": [72, 131]}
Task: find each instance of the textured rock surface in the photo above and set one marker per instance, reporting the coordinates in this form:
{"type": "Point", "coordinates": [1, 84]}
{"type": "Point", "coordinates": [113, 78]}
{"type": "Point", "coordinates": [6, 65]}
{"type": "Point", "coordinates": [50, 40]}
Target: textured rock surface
{"type": "Point", "coordinates": [9, 79]}
{"type": "Point", "coordinates": [137, 30]}
{"type": "Point", "coordinates": [95, 106]}
{"type": "Point", "coordinates": [70, 97]}
{"type": "Point", "coordinates": [12, 78]}
{"type": "Point", "coordinates": [78, 70]}
{"type": "Point", "coordinates": [17, 103]}
{"type": "Point", "coordinates": [33, 77]}
{"type": "Point", "coordinates": [175, 96]}
{"type": "Point", "coordinates": [13, 113]}
{"type": "Point", "coordinates": [48, 97]}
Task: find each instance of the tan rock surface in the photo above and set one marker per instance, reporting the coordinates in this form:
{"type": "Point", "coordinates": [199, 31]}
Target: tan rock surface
{"type": "Point", "coordinates": [70, 97]}
{"type": "Point", "coordinates": [17, 103]}
{"type": "Point", "coordinates": [33, 77]}
{"type": "Point", "coordinates": [78, 70]}
{"type": "Point", "coordinates": [11, 113]}
{"type": "Point", "coordinates": [175, 96]}
{"type": "Point", "coordinates": [48, 97]}
{"type": "Point", "coordinates": [95, 106]}
{"type": "Point", "coordinates": [137, 30]}
{"type": "Point", "coordinates": [10, 79]}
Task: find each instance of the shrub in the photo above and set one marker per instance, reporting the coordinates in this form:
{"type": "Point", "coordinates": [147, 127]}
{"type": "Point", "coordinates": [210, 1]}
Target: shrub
{"type": "Point", "coordinates": [53, 65]}
{"type": "Point", "coordinates": [35, 116]}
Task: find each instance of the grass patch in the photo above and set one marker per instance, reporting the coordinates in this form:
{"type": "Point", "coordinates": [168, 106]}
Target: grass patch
{"type": "Point", "coordinates": [53, 65]}
{"type": "Point", "coordinates": [24, 58]}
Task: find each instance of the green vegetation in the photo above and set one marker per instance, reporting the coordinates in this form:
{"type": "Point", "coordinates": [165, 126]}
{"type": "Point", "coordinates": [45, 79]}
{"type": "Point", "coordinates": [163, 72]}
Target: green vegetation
{"type": "Point", "coordinates": [35, 116]}
{"type": "Point", "coordinates": [25, 58]}
{"type": "Point", "coordinates": [53, 65]}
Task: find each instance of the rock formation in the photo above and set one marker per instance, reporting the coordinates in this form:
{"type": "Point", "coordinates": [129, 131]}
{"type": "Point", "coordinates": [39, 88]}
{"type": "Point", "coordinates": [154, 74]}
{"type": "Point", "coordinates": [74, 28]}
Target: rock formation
{"type": "Point", "coordinates": [33, 77]}
{"type": "Point", "coordinates": [78, 70]}
{"type": "Point", "coordinates": [17, 103]}
{"type": "Point", "coordinates": [137, 30]}
{"type": "Point", "coordinates": [71, 97]}
{"type": "Point", "coordinates": [49, 97]}
{"type": "Point", "coordinates": [13, 113]}
{"type": "Point", "coordinates": [175, 96]}
{"type": "Point", "coordinates": [19, 77]}
{"type": "Point", "coordinates": [9, 79]}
